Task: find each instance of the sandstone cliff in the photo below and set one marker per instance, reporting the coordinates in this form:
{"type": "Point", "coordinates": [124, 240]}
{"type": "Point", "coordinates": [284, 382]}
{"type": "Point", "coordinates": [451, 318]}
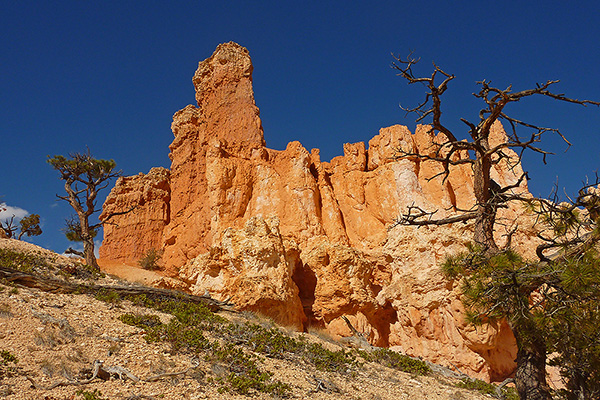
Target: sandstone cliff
{"type": "Point", "coordinates": [306, 241]}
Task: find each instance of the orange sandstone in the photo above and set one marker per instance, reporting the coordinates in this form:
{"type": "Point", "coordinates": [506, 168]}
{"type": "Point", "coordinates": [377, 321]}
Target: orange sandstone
{"type": "Point", "coordinates": [304, 241]}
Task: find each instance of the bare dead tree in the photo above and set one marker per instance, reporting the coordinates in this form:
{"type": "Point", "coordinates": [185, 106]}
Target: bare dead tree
{"type": "Point", "coordinates": [477, 151]}
{"type": "Point", "coordinates": [9, 227]}
{"type": "Point", "coordinates": [569, 227]}
{"type": "Point", "coordinates": [449, 150]}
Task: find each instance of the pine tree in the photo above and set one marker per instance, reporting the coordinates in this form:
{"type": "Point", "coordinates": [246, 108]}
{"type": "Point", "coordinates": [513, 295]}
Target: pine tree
{"type": "Point", "coordinates": [84, 177]}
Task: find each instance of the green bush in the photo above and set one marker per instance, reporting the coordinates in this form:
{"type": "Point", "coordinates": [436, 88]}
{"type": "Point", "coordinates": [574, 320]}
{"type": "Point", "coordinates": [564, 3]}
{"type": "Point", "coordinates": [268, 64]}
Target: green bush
{"type": "Point", "coordinates": [24, 262]}
{"type": "Point", "coordinates": [150, 260]}
{"type": "Point", "coordinates": [185, 312]}
{"type": "Point", "coordinates": [397, 361]}
{"type": "Point", "coordinates": [8, 363]}
{"type": "Point", "coordinates": [270, 342]}
{"type": "Point", "coordinates": [327, 360]}
{"type": "Point", "coordinates": [93, 395]}
{"type": "Point", "coordinates": [487, 388]}
{"type": "Point", "coordinates": [140, 320]}
{"type": "Point", "coordinates": [245, 375]}
{"type": "Point", "coordinates": [108, 296]}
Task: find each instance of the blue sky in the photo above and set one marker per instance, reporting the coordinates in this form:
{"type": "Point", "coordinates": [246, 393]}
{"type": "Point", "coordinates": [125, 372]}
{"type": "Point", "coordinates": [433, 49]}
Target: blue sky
{"type": "Point", "coordinates": [109, 75]}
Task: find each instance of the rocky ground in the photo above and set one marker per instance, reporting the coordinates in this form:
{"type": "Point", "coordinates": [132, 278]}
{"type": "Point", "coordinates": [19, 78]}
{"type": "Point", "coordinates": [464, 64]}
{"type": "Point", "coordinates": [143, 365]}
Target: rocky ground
{"type": "Point", "coordinates": [56, 338]}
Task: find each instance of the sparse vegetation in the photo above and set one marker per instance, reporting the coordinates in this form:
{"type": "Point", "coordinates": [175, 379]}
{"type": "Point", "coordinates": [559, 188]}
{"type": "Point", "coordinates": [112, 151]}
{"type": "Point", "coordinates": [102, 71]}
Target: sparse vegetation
{"type": "Point", "coordinates": [235, 354]}
{"type": "Point", "coordinates": [151, 259]}
{"type": "Point", "coordinates": [244, 373]}
{"type": "Point", "coordinates": [21, 261]}
{"type": "Point", "coordinates": [140, 320]}
{"type": "Point", "coordinates": [488, 388]}
{"type": "Point", "coordinates": [93, 395]}
{"type": "Point", "coordinates": [8, 363]}
{"type": "Point", "coordinates": [397, 361]}
{"type": "Point", "coordinates": [236, 351]}
{"type": "Point", "coordinates": [108, 296]}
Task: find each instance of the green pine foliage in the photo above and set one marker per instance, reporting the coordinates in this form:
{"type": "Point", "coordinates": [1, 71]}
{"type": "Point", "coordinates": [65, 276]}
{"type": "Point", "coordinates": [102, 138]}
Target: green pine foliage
{"type": "Point", "coordinates": [494, 287]}
{"type": "Point", "coordinates": [72, 230]}
{"type": "Point", "coordinates": [557, 302]}
{"type": "Point", "coordinates": [30, 226]}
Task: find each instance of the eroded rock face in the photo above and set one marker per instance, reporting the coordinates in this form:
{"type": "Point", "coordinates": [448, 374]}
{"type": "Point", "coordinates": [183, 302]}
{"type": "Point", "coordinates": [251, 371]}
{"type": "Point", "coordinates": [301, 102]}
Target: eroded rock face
{"type": "Point", "coordinates": [306, 242]}
{"type": "Point", "coordinates": [251, 268]}
{"type": "Point", "coordinates": [146, 197]}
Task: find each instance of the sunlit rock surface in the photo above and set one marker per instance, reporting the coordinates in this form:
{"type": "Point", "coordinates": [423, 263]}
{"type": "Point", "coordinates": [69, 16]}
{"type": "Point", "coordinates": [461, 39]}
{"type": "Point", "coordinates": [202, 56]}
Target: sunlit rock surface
{"type": "Point", "coordinates": [304, 241]}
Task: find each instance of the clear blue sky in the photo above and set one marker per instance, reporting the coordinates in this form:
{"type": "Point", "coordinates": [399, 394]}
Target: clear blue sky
{"type": "Point", "coordinates": [109, 75]}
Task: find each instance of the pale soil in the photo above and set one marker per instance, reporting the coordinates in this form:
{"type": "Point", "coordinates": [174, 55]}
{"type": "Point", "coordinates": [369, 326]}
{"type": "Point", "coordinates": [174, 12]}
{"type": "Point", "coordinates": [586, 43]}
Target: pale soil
{"type": "Point", "coordinates": [129, 272]}
{"type": "Point", "coordinates": [55, 336]}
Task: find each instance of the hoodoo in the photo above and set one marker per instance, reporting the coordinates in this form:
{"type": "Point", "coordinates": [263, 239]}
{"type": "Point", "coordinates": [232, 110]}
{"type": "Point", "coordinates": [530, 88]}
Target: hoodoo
{"type": "Point", "coordinates": [306, 242]}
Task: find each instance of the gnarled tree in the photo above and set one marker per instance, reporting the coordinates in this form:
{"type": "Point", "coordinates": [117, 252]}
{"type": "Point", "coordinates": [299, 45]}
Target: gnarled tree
{"type": "Point", "coordinates": [450, 150]}
{"type": "Point", "coordinates": [498, 283]}
{"type": "Point", "coordinates": [30, 226]}
{"type": "Point", "coordinates": [84, 177]}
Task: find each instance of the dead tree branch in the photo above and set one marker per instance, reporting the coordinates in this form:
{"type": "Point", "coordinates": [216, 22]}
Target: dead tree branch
{"type": "Point", "coordinates": [476, 150]}
{"type": "Point", "coordinates": [105, 373]}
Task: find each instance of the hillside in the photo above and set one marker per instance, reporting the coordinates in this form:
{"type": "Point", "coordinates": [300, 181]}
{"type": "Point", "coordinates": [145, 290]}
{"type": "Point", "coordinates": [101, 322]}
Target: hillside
{"type": "Point", "coordinates": [56, 338]}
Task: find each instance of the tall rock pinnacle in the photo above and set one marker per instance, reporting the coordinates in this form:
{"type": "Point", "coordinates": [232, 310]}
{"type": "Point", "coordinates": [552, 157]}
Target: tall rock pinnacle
{"type": "Point", "coordinates": [224, 94]}
{"type": "Point", "coordinates": [307, 242]}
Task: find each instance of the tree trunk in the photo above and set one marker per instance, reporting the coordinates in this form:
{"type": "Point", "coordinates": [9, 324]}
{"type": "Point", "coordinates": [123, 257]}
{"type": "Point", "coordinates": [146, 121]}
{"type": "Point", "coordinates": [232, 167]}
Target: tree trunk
{"type": "Point", "coordinates": [486, 210]}
{"type": "Point", "coordinates": [530, 377]}
{"type": "Point", "coordinates": [88, 254]}
{"type": "Point", "coordinates": [577, 386]}
{"type": "Point", "coordinates": [88, 243]}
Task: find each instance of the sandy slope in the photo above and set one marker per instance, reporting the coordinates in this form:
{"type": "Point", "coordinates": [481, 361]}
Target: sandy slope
{"type": "Point", "coordinates": [56, 336]}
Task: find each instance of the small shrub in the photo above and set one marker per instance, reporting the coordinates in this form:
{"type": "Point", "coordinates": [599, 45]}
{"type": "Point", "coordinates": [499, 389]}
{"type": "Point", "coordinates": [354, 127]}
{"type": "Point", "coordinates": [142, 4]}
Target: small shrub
{"type": "Point", "coordinates": [93, 395]}
{"type": "Point", "coordinates": [24, 262]}
{"type": "Point", "coordinates": [327, 360]}
{"type": "Point", "coordinates": [7, 357]}
{"type": "Point", "coordinates": [143, 321]}
{"type": "Point", "coordinates": [270, 342]}
{"type": "Point", "coordinates": [487, 388]}
{"type": "Point", "coordinates": [245, 375]}
{"type": "Point", "coordinates": [108, 296]}
{"type": "Point", "coordinates": [187, 313]}
{"type": "Point", "coordinates": [8, 363]}
{"type": "Point", "coordinates": [150, 260]}
{"type": "Point", "coordinates": [398, 361]}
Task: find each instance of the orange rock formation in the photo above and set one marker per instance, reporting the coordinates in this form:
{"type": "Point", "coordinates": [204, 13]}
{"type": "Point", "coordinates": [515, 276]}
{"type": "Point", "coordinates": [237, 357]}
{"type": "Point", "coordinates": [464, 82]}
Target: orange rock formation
{"type": "Point", "coordinates": [305, 241]}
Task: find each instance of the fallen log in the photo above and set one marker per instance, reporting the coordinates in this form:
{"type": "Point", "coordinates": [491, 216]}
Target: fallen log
{"type": "Point", "coordinates": [105, 373]}
{"type": "Point", "coordinates": [55, 285]}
